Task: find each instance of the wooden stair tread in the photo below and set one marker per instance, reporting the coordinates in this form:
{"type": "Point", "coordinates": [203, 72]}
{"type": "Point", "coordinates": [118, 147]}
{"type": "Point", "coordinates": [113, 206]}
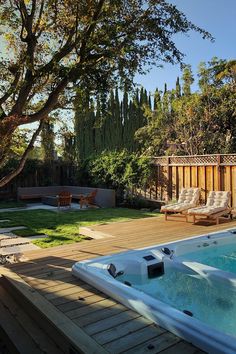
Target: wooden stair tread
{"type": "Point", "coordinates": [22, 330]}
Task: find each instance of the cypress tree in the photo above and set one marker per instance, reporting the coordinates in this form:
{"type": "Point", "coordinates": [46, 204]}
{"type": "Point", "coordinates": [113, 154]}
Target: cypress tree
{"type": "Point", "coordinates": [98, 127]}
{"type": "Point", "coordinates": [47, 142]}
{"type": "Point", "coordinates": [118, 121]}
{"type": "Point", "coordinates": [165, 88]}
{"type": "Point", "coordinates": [125, 115]}
{"type": "Point", "coordinates": [188, 79]}
{"type": "Point", "coordinates": [157, 100]}
{"type": "Point", "coordinates": [150, 101]}
{"type": "Point", "coordinates": [80, 122]}
{"type": "Point", "coordinates": [177, 88]}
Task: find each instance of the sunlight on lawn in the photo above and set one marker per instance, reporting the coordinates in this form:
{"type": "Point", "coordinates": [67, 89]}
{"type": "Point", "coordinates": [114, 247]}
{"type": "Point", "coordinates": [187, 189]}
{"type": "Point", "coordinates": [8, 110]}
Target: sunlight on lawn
{"type": "Point", "coordinates": [63, 227]}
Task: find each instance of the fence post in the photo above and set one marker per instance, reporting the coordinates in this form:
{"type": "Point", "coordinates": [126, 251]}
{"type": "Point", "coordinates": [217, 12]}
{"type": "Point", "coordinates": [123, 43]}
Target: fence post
{"type": "Point", "coordinates": [219, 186]}
{"type": "Point", "coordinates": [169, 179]}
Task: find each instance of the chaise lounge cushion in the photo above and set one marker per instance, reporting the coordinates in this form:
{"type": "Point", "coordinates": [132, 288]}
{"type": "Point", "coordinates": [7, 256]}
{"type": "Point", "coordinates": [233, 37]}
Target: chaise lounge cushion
{"type": "Point", "coordinates": [217, 201]}
{"type": "Point", "coordinates": [188, 198]}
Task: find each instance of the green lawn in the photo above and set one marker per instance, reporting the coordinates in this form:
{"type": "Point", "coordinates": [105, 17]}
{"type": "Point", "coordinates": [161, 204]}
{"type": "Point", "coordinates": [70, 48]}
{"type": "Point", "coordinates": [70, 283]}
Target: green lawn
{"type": "Point", "coordinates": [13, 204]}
{"type": "Point", "coordinates": [63, 227]}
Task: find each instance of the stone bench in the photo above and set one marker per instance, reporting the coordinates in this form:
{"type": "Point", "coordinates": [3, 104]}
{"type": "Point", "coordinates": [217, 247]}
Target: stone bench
{"type": "Point", "coordinates": [105, 198]}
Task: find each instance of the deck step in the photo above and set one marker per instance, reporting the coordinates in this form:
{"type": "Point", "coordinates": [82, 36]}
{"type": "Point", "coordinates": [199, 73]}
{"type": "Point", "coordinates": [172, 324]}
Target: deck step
{"type": "Point", "coordinates": [21, 334]}
{"type": "Point", "coordinates": [70, 338]}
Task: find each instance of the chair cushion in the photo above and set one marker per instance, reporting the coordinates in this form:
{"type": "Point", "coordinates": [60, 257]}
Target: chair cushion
{"type": "Point", "coordinates": [189, 196]}
{"type": "Point", "coordinates": [177, 207]}
{"type": "Point", "coordinates": [206, 210]}
{"type": "Point", "coordinates": [218, 199]}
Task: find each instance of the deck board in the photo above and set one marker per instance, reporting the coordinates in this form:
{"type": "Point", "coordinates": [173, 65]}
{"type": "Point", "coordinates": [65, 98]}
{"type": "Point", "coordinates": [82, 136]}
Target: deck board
{"type": "Point", "coordinates": [109, 323]}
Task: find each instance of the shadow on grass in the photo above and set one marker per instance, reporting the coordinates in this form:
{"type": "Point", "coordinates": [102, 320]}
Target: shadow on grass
{"type": "Point", "coordinates": [64, 227]}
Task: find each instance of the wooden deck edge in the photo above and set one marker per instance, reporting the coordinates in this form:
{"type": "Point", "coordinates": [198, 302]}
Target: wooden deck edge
{"type": "Point", "coordinates": [69, 336]}
{"type": "Point", "coordinates": [89, 232]}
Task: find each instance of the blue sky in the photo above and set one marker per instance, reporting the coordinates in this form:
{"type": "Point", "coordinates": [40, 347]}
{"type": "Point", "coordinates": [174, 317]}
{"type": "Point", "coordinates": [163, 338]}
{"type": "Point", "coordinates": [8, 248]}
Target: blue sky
{"type": "Point", "coordinates": [217, 17]}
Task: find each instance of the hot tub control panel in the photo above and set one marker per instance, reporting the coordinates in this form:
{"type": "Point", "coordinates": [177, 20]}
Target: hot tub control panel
{"type": "Point", "coordinates": [154, 266]}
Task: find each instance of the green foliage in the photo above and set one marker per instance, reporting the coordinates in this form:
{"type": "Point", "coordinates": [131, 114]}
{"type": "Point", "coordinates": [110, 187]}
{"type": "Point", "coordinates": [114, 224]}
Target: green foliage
{"type": "Point", "coordinates": [47, 141]}
{"type": "Point", "coordinates": [11, 204]}
{"type": "Point", "coordinates": [120, 170]}
{"type": "Point", "coordinates": [52, 46]}
{"type": "Point", "coordinates": [194, 123]}
{"type": "Point", "coordinates": [109, 124]}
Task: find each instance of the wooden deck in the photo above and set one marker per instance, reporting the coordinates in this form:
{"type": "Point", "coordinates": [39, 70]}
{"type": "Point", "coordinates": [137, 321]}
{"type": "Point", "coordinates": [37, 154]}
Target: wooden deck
{"type": "Point", "coordinates": [94, 322]}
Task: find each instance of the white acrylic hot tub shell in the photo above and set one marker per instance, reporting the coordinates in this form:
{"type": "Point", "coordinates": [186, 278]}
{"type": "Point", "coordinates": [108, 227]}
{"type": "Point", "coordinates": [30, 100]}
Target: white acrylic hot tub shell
{"type": "Point", "coordinates": [203, 336]}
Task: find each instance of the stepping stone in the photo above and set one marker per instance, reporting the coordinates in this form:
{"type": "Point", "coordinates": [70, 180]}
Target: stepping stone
{"type": "Point", "coordinates": [36, 237]}
{"type": "Point", "coordinates": [9, 229]}
{"type": "Point", "coordinates": [14, 241]}
{"type": "Point", "coordinates": [5, 237]}
{"type": "Point", "coordinates": [18, 249]}
{"type": "Point", "coordinates": [12, 209]}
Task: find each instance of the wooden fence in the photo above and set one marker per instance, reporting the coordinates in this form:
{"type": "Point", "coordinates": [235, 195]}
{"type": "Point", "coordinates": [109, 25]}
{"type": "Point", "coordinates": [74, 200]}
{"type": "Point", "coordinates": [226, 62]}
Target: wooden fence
{"type": "Point", "coordinates": [208, 172]}
{"type": "Point", "coordinates": [36, 174]}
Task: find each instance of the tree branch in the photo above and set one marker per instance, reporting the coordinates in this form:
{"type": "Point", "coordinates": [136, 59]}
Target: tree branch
{"type": "Point", "coordinates": [66, 49]}
{"type": "Point", "coordinates": [13, 174]}
{"type": "Point", "coordinates": [39, 19]}
{"type": "Point", "coordinates": [91, 28]}
{"type": "Point", "coordinates": [48, 106]}
{"type": "Point", "coordinates": [11, 89]}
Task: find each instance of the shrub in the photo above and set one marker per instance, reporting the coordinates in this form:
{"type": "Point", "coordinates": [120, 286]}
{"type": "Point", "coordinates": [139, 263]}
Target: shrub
{"type": "Point", "coordinates": [119, 170]}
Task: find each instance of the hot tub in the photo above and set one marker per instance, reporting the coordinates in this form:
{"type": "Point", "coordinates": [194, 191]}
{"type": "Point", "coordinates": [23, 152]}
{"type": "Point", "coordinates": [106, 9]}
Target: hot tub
{"type": "Point", "coordinates": [170, 285]}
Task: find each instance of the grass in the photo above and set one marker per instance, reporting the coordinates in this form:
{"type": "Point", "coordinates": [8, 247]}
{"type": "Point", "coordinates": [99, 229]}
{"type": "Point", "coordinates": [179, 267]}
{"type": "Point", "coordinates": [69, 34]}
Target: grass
{"type": "Point", "coordinates": [63, 227]}
{"type": "Point", "coordinates": [13, 204]}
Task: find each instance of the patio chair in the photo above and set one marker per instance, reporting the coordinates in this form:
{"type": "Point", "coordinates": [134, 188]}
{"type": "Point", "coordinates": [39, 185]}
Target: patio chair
{"type": "Point", "coordinates": [188, 198]}
{"type": "Point", "coordinates": [217, 205]}
{"type": "Point", "coordinates": [88, 199]}
{"type": "Point", "coordinates": [64, 199]}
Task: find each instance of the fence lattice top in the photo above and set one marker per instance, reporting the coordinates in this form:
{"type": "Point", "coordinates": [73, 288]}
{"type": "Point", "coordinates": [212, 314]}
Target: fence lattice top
{"type": "Point", "coordinates": [203, 160]}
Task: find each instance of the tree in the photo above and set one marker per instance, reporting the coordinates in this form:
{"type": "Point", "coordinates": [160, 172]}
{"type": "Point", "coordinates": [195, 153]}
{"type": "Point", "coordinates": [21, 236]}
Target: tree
{"type": "Point", "coordinates": [187, 79]}
{"type": "Point", "coordinates": [47, 142]}
{"type": "Point", "coordinates": [53, 44]}
{"type": "Point", "coordinates": [195, 123]}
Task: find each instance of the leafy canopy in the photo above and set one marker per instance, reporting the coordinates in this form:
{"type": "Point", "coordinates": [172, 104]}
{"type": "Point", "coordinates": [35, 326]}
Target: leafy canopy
{"type": "Point", "coordinates": [51, 45]}
{"type": "Point", "coordinates": [194, 123]}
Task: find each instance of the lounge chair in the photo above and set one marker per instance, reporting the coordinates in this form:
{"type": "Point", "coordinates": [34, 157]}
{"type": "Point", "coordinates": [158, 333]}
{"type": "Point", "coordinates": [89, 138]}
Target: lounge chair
{"type": "Point", "coordinates": [188, 198]}
{"type": "Point", "coordinates": [217, 205]}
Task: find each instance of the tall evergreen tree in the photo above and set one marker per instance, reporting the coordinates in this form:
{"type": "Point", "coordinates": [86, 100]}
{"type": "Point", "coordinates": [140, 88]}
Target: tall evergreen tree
{"type": "Point", "coordinates": [178, 88]}
{"type": "Point", "coordinates": [47, 141]}
{"type": "Point", "coordinates": [187, 78]}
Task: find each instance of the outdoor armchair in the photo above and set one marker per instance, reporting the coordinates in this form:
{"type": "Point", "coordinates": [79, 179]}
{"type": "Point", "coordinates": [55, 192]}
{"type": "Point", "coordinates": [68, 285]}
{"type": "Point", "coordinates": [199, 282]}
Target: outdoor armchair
{"type": "Point", "coordinates": [64, 199]}
{"type": "Point", "coordinates": [88, 199]}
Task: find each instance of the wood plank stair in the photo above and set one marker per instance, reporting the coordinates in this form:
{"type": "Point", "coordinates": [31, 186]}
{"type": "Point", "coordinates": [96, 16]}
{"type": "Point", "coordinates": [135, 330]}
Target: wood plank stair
{"type": "Point", "coordinates": [43, 320]}
{"type": "Point", "coordinates": [19, 332]}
